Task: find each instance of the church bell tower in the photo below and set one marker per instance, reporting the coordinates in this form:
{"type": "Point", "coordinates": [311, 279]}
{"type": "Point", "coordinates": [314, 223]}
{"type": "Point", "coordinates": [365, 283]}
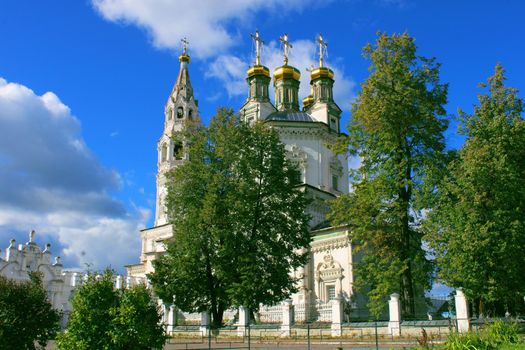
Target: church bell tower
{"type": "Point", "coordinates": [180, 108]}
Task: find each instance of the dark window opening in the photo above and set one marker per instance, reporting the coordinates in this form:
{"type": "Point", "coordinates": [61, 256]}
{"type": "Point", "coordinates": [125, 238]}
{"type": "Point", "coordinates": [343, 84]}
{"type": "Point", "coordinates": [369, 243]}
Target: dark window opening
{"type": "Point", "coordinates": [335, 182]}
{"type": "Point", "coordinates": [177, 151]}
{"type": "Point", "coordinates": [180, 112]}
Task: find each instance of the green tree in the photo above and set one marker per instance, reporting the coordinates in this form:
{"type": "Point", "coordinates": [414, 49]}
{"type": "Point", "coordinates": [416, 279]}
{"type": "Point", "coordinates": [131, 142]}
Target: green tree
{"type": "Point", "coordinates": [477, 230]}
{"type": "Point", "coordinates": [26, 316]}
{"type": "Point", "coordinates": [239, 220]}
{"type": "Point", "coordinates": [396, 129]}
{"type": "Point", "coordinates": [106, 318]}
{"type": "Point", "coordinates": [136, 321]}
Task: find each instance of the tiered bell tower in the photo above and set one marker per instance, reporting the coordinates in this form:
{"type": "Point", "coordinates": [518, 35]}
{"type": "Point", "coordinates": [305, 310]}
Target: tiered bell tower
{"type": "Point", "coordinates": [286, 81]}
{"type": "Point", "coordinates": [258, 104]}
{"type": "Point", "coordinates": [180, 108]}
{"type": "Point", "coordinates": [320, 104]}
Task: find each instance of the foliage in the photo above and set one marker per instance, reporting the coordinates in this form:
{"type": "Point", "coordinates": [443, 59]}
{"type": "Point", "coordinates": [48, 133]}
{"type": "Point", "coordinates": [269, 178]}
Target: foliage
{"type": "Point", "coordinates": [467, 341]}
{"type": "Point", "coordinates": [238, 219]}
{"type": "Point", "coordinates": [477, 230]}
{"type": "Point", "coordinates": [500, 332]}
{"type": "Point", "coordinates": [396, 129]}
{"type": "Point", "coordinates": [26, 316]}
{"type": "Point", "coordinates": [106, 318]}
{"type": "Point", "coordinates": [495, 336]}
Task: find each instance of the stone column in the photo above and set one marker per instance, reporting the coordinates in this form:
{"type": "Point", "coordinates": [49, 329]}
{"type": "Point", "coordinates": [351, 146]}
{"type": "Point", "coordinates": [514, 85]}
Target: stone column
{"type": "Point", "coordinates": [118, 282]}
{"type": "Point", "coordinates": [288, 318]}
{"type": "Point", "coordinates": [171, 320]}
{"type": "Point", "coordinates": [337, 317]}
{"type": "Point", "coordinates": [244, 318]}
{"type": "Point", "coordinates": [394, 309]}
{"type": "Point", "coordinates": [462, 317]}
{"type": "Point", "coordinates": [205, 324]}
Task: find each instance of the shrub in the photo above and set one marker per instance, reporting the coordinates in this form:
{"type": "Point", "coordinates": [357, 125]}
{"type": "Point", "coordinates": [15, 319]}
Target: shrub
{"type": "Point", "coordinates": [500, 333]}
{"type": "Point", "coordinates": [495, 336]}
{"type": "Point", "coordinates": [108, 319]}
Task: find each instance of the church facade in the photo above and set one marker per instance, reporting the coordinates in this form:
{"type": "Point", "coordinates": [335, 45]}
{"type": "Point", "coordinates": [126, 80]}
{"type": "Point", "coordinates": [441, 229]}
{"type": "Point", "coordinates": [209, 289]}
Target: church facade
{"type": "Point", "coordinates": [306, 133]}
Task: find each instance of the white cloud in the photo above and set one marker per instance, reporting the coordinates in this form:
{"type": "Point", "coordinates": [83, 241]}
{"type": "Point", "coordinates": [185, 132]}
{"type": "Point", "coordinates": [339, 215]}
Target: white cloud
{"type": "Point", "coordinates": [51, 182]}
{"type": "Point", "coordinates": [231, 70]}
{"type": "Point", "coordinates": [208, 24]}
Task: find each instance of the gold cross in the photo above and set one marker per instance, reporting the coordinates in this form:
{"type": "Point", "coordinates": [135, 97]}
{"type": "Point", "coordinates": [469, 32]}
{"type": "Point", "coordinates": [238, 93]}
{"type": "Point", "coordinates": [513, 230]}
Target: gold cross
{"type": "Point", "coordinates": [322, 48]}
{"type": "Point", "coordinates": [185, 44]}
{"type": "Point", "coordinates": [258, 44]}
{"type": "Point", "coordinates": [287, 46]}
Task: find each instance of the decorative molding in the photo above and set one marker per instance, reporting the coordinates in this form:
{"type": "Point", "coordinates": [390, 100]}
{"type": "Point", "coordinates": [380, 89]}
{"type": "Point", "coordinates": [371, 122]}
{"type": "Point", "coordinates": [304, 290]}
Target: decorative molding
{"type": "Point", "coordinates": [330, 244]}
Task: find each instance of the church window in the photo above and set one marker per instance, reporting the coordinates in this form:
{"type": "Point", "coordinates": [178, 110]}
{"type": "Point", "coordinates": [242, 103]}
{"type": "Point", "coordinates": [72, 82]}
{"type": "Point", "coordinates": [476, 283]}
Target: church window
{"type": "Point", "coordinates": [190, 114]}
{"type": "Point", "coordinates": [333, 123]}
{"type": "Point", "coordinates": [330, 292]}
{"type": "Point", "coordinates": [163, 153]}
{"type": "Point", "coordinates": [180, 112]}
{"type": "Point", "coordinates": [170, 114]}
{"type": "Point", "coordinates": [335, 182]}
{"type": "Point", "coordinates": [177, 151]}
{"type": "Point", "coordinates": [298, 177]}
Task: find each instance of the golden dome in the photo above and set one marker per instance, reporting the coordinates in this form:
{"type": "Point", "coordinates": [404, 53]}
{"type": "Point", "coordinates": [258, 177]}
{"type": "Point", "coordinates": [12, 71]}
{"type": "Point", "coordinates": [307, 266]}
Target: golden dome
{"type": "Point", "coordinates": [286, 72]}
{"type": "Point", "coordinates": [308, 101]}
{"type": "Point", "coordinates": [321, 72]}
{"type": "Point", "coordinates": [184, 58]}
{"type": "Point", "coordinates": [258, 70]}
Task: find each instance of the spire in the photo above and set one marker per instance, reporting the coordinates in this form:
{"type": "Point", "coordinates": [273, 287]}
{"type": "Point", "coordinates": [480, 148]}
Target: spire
{"type": "Point", "coordinates": [258, 75]}
{"type": "Point", "coordinates": [286, 82]}
{"type": "Point", "coordinates": [258, 43]}
{"type": "Point", "coordinates": [320, 104]}
{"type": "Point", "coordinates": [183, 88]}
{"type": "Point", "coordinates": [323, 45]}
{"type": "Point", "coordinates": [322, 78]}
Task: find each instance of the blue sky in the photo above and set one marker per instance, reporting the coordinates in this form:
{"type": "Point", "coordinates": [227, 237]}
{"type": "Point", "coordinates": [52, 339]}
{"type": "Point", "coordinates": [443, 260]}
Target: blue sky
{"type": "Point", "coordinates": [83, 86]}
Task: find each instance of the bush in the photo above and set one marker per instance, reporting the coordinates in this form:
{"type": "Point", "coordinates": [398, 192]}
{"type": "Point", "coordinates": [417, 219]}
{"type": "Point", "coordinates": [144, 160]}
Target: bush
{"type": "Point", "coordinates": [501, 333]}
{"type": "Point", "coordinates": [109, 319]}
{"type": "Point", "coordinates": [497, 335]}
{"type": "Point", "coordinates": [26, 316]}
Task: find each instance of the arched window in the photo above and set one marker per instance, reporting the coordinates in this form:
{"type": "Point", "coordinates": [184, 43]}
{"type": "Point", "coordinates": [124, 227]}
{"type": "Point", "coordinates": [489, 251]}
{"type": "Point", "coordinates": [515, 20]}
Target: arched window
{"type": "Point", "coordinates": [190, 114]}
{"type": "Point", "coordinates": [180, 112]}
{"type": "Point", "coordinates": [177, 150]}
{"type": "Point", "coordinates": [164, 152]}
{"type": "Point", "coordinates": [170, 114]}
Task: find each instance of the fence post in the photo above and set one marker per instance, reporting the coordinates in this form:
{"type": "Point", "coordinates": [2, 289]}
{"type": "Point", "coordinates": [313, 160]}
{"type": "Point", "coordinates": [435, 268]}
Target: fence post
{"type": "Point", "coordinates": [463, 322]}
{"type": "Point", "coordinates": [337, 317]}
{"type": "Point", "coordinates": [394, 308]}
{"type": "Point", "coordinates": [288, 318]}
{"type": "Point", "coordinates": [205, 324]}
{"type": "Point", "coordinates": [244, 317]}
{"type": "Point", "coordinates": [308, 334]}
{"type": "Point", "coordinates": [171, 319]}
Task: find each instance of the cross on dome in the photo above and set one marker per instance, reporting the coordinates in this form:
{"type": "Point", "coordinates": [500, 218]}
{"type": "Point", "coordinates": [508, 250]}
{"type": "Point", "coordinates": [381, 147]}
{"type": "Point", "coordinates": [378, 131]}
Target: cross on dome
{"type": "Point", "coordinates": [185, 44]}
{"type": "Point", "coordinates": [323, 45]}
{"type": "Point", "coordinates": [287, 46]}
{"type": "Point", "coordinates": [258, 44]}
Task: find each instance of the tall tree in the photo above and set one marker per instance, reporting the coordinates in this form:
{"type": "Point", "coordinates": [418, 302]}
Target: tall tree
{"type": "Point", "coordinates": [239, 221]}
{"type": "Point", "coordinates": [26, 315]}
{"type": "Point", "coordinates": [396, 129]}
{"type": "Point", "coordinates": [478, 228]}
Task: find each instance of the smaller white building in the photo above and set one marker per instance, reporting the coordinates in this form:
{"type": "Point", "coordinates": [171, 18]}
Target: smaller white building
{"type": "Point", "coordinates": [59, 284]}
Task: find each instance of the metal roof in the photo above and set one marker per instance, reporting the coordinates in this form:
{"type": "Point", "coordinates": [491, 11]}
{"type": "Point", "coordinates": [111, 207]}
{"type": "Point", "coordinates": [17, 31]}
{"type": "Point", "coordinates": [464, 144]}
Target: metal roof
{"type": "Point", "coordinates": [291, 116]}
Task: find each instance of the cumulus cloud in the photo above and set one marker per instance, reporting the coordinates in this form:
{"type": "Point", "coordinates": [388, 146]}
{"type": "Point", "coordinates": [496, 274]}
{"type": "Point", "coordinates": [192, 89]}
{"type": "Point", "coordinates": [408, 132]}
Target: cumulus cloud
{"type": "Point", "coordinates": [231, 70]}
{"type": "Point", "coordinates": [212, 27]}
{"type": "Point", "coordinates": [208, 24]}
{"type": "Point", "coordinates": [50, 181]}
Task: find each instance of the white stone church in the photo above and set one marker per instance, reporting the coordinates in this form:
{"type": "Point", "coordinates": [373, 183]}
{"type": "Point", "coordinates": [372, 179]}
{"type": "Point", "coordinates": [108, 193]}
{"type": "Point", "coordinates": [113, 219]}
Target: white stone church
{"type": "Point", "coordinates": [306, 133]}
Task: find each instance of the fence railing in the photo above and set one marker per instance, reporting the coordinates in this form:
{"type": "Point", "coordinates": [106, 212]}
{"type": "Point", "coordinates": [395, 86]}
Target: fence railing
{"type": "Point", "coordinates": [303, 336]}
